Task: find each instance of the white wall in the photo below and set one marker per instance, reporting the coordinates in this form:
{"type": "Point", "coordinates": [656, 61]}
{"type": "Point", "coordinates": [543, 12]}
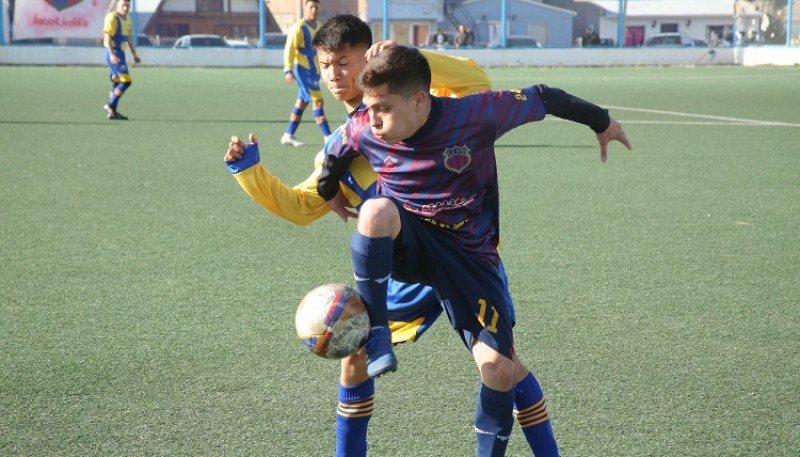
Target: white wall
{"type": "Point", "coordinates": [576, 57]}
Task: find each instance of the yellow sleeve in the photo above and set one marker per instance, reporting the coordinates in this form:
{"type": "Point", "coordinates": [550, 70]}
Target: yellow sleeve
{"type": "Point", "coordinates": [455, 76]}
{"type": "Point", "coordinates": [290, 51]}
{"type": "Point", "coordinates": [300, 204]}
{"type": "Point", "coordinates": [110, 24]}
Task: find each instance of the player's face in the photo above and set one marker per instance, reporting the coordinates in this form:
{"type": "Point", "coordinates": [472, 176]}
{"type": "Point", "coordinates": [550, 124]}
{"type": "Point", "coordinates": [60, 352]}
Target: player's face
{"type": "Point", "coordinates": [394, 117]}
{"type": "Point", "coordinates": [310, 10]}
{"type": "Point", "coordinates": [339, 71]}
{"type": "Point", "coordinates": [123, 6]}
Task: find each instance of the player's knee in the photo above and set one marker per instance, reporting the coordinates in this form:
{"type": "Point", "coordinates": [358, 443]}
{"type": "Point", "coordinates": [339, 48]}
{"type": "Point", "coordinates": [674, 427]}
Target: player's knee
{"type": "Point", "coordinates": [354, 369]}
{"type": "Point", "coordinates": [379, 217]}
{"type": "Point", "coordinates": [497, 370]}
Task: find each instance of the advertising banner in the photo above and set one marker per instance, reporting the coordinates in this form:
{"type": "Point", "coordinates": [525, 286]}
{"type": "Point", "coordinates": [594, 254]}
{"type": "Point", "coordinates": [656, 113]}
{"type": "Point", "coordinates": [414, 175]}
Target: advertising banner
{"type": "Point", "coordinates": [59, 19]}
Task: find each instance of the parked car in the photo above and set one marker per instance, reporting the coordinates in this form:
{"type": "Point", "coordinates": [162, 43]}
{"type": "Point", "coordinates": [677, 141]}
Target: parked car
{"type": "Point", "coordinates": [516, 41]}
{"type": "Point", "coordinates": [674, 39]}
{"type": "Point", "coordinates": [143, 40]}
{"type": "Point", "coordinates": [200, 41]}
{"type": "Point", "coordinates": [274, 40]}
{"type": "Point", "coordinates": [448, 40]}
{"type": "Point", "coordinates": [239, 44]}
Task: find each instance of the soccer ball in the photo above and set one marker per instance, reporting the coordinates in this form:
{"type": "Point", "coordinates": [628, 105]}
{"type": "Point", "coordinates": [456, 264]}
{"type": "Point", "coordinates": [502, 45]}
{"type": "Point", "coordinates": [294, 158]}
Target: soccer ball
{"type": "Point", "coordinates": [332, 321]}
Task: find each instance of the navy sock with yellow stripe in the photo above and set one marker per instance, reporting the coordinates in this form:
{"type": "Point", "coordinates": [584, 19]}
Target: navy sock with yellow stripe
{"type": "Point", "coordinates": [356, 404]}
{"type": "Point", "coordinates": [531, 413]}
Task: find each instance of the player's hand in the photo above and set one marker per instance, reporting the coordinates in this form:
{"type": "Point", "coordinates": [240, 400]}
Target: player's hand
{"type": "Point", "coordinates": [289, 78]}
{"type": "Point", "coordinates": [614, 132]}
{"type": "Point", "coordinates": [136, 59]}
{"type": "Point", "coordinates": [340, 206]}
{"type": "Point", "coordinates": [378, 47]}
{"type": "Point", "coordinates": [236, 148]}
{"type": "Point", "coordinates": [114, 59]}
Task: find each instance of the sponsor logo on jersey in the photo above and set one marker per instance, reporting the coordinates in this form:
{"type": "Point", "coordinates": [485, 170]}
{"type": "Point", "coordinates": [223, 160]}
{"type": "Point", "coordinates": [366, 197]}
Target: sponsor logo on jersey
{"type": "Point", "coordinates": [457, 158]}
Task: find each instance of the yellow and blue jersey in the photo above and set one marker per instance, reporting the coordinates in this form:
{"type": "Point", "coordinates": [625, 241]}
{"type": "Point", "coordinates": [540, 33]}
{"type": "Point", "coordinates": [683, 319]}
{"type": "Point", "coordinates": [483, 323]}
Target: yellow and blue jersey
{"type": "Point", "coordinates": [298, 51]}
{"type": "Point", "coordinates": [120, 29]}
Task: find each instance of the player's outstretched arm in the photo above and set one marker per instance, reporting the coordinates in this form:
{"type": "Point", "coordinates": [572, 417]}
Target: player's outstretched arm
{"type": "Point", "coordinates": [614, 132]}
{"type": "Point", "coordinates": [567, 106]}
{"type": "Point", "coordinates": [300, 204]}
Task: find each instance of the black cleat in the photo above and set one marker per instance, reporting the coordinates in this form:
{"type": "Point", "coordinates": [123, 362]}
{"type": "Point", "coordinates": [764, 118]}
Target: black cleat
{"type": "Point", "coordinates": [114, 115]}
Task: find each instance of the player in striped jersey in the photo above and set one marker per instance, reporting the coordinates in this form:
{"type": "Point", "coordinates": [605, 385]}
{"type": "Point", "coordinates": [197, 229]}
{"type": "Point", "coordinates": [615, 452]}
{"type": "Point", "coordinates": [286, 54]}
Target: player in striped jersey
{"type": "Point", "coordinates": [300, 65]}
{"type": "Point", "coordinates": [436, 219]}
{"type": "Point", "coordinates": [412, 308]}
{"type": "Point", "coordinates": [117, 34]}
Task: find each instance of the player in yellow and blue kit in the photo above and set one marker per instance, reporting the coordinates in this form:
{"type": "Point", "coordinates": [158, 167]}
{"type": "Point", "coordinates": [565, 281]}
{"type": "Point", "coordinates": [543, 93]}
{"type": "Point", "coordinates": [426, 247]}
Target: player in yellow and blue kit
{"type": "Point", "coordinates": [117, 34]}
{"type": "Point", "coordinates": [343, 41]}
{"type": "Point", "coordinates": [300, 65]}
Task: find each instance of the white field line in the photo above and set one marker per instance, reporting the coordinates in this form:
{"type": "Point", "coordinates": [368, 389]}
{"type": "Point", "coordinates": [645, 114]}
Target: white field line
{"type": "Point", "coordinates": [724, 120]}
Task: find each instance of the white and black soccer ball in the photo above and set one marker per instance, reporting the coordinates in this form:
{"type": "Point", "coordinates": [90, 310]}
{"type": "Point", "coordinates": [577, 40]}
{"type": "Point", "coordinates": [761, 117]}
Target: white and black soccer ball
{"type": "Point", "coordinates": [332, 321]}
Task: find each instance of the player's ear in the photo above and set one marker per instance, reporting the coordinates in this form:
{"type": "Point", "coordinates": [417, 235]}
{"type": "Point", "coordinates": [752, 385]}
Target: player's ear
{"type": "Point", "coordinates": [419, 99]}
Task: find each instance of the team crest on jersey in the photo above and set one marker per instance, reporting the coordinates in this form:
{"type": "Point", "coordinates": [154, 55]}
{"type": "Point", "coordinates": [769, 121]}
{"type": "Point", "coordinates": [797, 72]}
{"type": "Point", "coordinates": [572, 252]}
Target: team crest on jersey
{"type": "Point", "coordinates": [390, 162]}
{"type": "Point", "coordinates": [457, 158]}
{"type": "Point", "coordinates": [62, 4]}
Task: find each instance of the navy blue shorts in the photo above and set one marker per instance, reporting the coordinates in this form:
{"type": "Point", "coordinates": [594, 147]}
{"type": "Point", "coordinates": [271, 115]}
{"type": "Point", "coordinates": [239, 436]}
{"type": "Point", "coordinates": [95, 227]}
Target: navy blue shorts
{"type": "Point", "coordinates": [472, 291]}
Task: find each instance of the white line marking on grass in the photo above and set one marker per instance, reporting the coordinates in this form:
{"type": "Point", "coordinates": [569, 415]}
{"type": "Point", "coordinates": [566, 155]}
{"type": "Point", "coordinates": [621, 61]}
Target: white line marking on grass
{"type": "Point", "coordinates": [729, 120]}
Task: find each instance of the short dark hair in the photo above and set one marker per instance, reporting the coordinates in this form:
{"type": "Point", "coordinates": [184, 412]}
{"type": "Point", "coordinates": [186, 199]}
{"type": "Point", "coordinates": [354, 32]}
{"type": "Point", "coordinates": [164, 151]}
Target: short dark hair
{"type": "Point", "coordinates": [405, 70]}
{"type": "Point", "coordinates": [340, 31]}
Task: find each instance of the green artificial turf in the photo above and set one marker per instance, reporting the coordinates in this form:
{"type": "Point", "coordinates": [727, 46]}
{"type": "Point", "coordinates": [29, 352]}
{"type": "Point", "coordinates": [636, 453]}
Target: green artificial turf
{"type": "Point", "coordinates": [147, 304]}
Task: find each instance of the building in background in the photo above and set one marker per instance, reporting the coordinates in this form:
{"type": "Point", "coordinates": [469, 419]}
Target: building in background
{"type": "Point", "coordinates": [167, 20]}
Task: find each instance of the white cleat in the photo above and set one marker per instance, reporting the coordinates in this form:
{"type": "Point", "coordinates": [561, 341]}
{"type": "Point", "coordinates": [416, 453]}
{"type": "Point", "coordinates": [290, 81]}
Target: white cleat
{"type": "Point", "coordinates": [290, 139]}
{"type": "Point", "coordinates": [325, 138]}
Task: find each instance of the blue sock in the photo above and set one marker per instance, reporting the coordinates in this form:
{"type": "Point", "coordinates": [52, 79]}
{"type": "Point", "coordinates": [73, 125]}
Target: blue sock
{"type": "Point", "coordinates": [292, 127]}
{"type": "Point", "coordinates": [531, 413]}
{"type": "Point", "coordinates": [356, 404]}
{"type": "Point", "coordinates": [372, 266]}
{"type": "Point", "coordinates": [114, 99]}
{"type": "Point", "coordinates": [320, 113]}
{"type": "Point", "coordinates": [493, 421]}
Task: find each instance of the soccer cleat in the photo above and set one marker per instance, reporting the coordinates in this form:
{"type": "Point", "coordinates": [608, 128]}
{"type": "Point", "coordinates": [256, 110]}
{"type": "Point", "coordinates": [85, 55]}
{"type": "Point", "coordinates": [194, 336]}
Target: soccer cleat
{"type": "Point", "coordinates": [113, 115]}
{"type": "Point", "coordinates": [380, 356]}
{"type": "Point", "coordinates": [290, 139]}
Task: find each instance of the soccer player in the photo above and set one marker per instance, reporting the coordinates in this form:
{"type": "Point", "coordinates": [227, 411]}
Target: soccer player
{"type": "Point", "coordinates": [117, 33]}
{"type": "Point", "coordinates": [435, 220]}
{"type": "Point", "coordinates": [300, 65]}
{"type": "Point", "coordinates": [343, 41]}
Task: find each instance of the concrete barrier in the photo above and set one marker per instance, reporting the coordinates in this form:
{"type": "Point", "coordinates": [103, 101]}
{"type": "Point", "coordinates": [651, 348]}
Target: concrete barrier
{"type": "Point", "coordinates": [539, 57]}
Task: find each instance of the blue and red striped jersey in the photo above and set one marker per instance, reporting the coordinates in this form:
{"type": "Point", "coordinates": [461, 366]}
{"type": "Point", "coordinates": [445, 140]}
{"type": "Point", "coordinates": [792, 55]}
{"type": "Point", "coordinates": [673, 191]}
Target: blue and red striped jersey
{"type": "Point", "coordinates": [446, 173]}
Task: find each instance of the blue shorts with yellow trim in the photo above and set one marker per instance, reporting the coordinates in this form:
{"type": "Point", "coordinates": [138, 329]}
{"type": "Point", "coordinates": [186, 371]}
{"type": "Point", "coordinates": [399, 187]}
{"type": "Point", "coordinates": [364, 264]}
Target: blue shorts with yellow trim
{"type": "Point", "coordinates": [413, 308]}
{"type": "Point", "coordinates": [307, 84]}
{"type": "Point", "coordinates": [119, 72]}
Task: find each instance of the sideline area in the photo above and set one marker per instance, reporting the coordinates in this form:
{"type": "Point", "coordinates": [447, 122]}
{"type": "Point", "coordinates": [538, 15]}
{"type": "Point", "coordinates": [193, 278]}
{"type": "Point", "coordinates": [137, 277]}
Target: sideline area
{"type": "Point", "coordinates": [538, 57]}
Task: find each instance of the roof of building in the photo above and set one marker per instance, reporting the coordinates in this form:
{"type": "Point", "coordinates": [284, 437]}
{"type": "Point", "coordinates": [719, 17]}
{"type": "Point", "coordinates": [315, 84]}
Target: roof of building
{"type": "Point", "coordinates": [660, 8]}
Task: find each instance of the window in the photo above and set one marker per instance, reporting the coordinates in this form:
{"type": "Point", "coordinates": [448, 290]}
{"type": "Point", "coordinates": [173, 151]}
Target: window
{"type": "Point", "coordinates": [669, 28]}
{"type": "Point", "coordinates": [208, 6]}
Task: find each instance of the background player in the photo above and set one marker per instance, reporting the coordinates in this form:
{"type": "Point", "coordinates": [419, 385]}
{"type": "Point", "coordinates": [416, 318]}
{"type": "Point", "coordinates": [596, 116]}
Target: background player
{"type": "Point", "coordinates": [117, 34]}
{"type": "Point", "coordinates": [345, 39]}
{"type": "Point", "coordinates": [436, 219]}
{"type": "Point", "coordinates": [300, 65]}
